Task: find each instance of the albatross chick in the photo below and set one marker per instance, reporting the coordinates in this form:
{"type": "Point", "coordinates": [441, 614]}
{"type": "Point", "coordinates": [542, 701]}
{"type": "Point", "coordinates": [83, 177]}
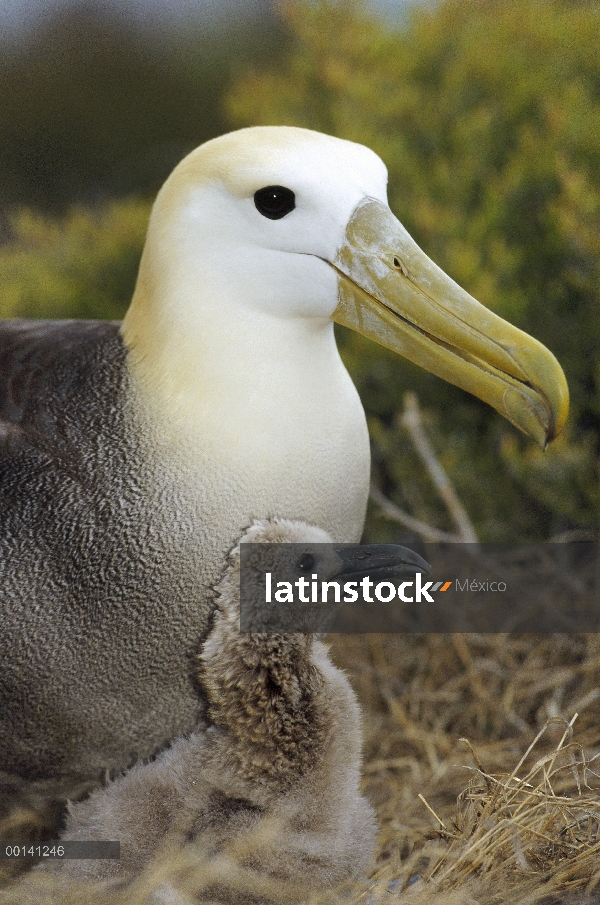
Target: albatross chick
{"type": "Point", "coordinates": [283, 747]}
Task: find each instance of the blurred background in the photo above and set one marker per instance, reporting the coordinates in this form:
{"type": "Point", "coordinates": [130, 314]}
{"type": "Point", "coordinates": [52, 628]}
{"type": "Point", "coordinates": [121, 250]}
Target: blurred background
{"type": "Point", "coordinates": [487, 114]}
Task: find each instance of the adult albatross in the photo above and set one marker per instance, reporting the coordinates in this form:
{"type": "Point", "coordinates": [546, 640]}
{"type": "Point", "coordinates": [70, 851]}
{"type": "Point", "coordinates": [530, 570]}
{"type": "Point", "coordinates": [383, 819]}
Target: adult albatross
{"type": "Point", "coordinates": [133, 455]}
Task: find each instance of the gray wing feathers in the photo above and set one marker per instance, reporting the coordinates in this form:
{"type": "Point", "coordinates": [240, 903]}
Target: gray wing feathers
{"type": "Point", "coordinates": [47, 369]}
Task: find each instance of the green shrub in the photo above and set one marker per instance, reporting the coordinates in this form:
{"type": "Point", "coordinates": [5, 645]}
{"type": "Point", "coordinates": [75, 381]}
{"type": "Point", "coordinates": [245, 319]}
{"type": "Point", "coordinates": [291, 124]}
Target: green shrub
{"type": "Point", "coordinates": [83, 265]}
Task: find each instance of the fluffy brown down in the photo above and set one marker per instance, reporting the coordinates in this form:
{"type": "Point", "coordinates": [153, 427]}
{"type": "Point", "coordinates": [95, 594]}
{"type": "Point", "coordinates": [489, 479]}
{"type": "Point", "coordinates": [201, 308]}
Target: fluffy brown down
{"type": "Point", "coordinates": [283, 751]}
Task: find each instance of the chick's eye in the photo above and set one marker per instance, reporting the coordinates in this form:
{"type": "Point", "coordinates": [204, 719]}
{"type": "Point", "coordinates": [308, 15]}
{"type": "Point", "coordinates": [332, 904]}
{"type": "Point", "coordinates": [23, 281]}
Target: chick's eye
{"type": "Point", "coordinates": [307, 563]}
{"type": "Point", "coordinates": [274, 201]}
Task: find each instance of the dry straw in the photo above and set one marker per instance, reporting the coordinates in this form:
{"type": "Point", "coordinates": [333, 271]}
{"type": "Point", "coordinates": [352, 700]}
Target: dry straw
{"type": "Point", "coordinates": [524, 829]}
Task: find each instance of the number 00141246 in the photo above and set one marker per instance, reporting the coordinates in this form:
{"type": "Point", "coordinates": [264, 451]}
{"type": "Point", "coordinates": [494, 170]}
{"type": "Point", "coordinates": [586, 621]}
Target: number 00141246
{"type": "Point", "coordinates": [28, 850]}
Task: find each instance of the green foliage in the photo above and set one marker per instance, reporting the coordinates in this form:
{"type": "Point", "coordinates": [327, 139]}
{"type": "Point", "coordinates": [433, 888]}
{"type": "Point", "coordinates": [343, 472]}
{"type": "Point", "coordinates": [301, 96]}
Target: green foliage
{"type": "Point", "coordinates": [486, 113]}
{"type": "Point", "coordinates": [83, 265]}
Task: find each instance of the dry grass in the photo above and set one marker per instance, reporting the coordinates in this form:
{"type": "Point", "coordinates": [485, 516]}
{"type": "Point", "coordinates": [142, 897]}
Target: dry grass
{"type": "Point", "coordinates": [512, 816]}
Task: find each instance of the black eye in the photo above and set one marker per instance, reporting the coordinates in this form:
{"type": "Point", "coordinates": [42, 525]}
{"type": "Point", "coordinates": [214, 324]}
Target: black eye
{"type": "Point", "coordinates": [274, 201]}
{"type": "Point", "coordinates": [307, 563]}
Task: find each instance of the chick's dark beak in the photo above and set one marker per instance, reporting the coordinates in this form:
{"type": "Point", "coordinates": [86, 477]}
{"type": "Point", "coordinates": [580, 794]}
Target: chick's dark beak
{"type": "Point", "coordinates": [380, 562]}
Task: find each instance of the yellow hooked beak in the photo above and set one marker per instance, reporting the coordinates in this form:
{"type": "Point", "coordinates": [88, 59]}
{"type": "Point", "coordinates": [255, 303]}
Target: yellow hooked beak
{"type": "Point", "coordinates": [393, 293]}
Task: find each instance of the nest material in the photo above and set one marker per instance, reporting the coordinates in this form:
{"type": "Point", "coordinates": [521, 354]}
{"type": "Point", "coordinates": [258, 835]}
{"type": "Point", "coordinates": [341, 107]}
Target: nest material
{"type": "Point", "coordinates": [547, 822]}
{"type": "Point", "coordinates": [522, 829]}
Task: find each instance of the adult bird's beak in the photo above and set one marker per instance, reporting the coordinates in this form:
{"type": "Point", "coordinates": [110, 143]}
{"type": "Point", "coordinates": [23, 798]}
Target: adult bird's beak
{"type": "Point", "coordinates": [390, 291]}
{"type": "Point", "coordinates": [381, 562]}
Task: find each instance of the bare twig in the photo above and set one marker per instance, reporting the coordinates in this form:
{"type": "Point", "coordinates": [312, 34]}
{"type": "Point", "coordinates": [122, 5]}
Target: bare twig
{"type": "Point", "coordinates": [412, 421]}
{"type": "Point", "coordinates": [396, 514]}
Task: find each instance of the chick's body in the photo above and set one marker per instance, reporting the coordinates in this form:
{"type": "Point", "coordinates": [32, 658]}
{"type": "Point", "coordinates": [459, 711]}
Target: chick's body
{"type": "Point", "coordinates": [283, 751]}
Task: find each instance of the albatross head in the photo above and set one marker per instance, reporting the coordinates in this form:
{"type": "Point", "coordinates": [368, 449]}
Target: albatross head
{"type": "Point", "coordinates": [284, 225]}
